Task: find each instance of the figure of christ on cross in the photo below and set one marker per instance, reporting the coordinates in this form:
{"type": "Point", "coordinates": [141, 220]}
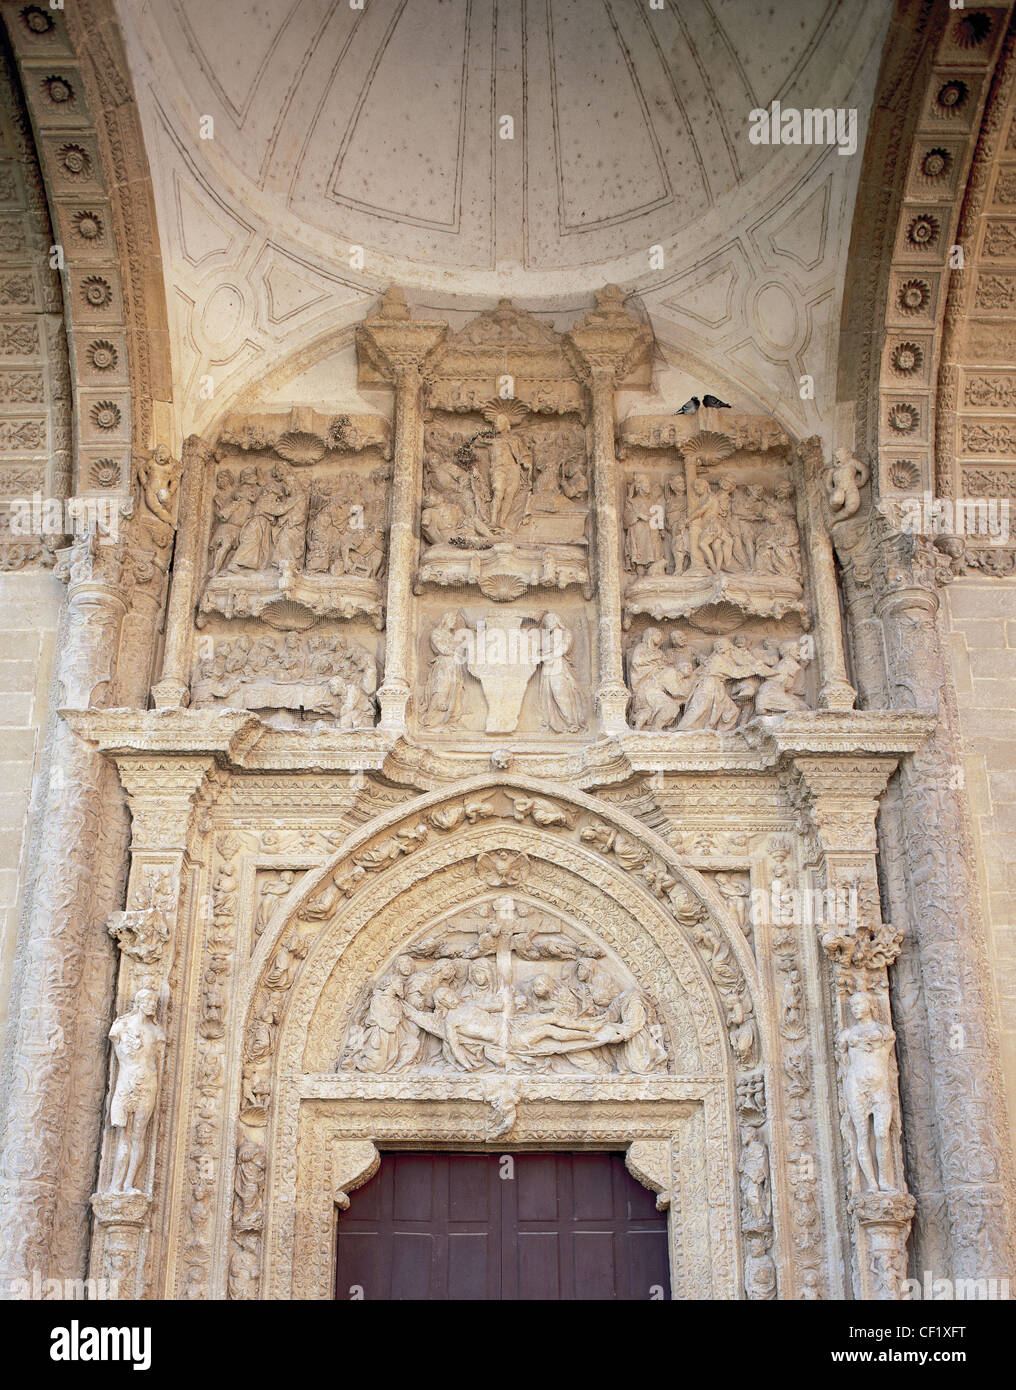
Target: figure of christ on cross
{"type": "Point", "coordinates": [499, 1024]}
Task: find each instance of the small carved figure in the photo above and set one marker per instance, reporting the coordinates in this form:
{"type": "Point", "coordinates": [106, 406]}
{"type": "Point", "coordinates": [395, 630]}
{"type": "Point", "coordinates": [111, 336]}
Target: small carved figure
{"type": "Point", "coordinates": [778, 548]}
{"type": "Point", "coordinates": [755, 1200]}
{"type": "Point", "coordinates": [710, 705]}
{"type": "Point", "coordinates": [443, 697]}
{"type": "Point", "coordinates": [776, 695]}
{"type": "Point", "coordinates": [272, 892]}
{"type": "Point", "coordinates": [676, 517]}
{"type": "Point", "coordinates": [158, 484]}
{"type": "Point", "coordinates": [506, 488]}
{"type": "Point", "coordinates": [660, 685]}
{"type": "Point", "coordinates": [244, 1267]}
{"type": "Point", "coordinates": [643, 529]}
{"type": "Point", "coordinates": [843, 479]}
{"type": "Point", "coordinates": [791, 1006]}
{"type": "Point", "coordinates": [759, 1270]}
{"type": "Point", "coordinates": [248, 1188]}
{"type": "Point", "coordinates": [562, 704]}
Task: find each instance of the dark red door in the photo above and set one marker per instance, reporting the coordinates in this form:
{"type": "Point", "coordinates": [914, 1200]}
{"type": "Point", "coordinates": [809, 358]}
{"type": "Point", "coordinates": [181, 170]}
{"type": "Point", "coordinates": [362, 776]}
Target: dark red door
{"type": "Point", "coordinates": [478, 1226]}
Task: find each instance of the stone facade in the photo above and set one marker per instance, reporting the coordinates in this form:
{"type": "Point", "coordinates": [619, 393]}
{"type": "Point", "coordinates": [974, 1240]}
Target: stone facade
{"type": "Point", "coordinates": [459, 743]}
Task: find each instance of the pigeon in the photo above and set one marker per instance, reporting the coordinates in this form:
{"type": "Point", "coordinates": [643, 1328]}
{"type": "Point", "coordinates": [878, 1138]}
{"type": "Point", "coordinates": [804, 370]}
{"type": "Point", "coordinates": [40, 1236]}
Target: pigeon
{"type": "Point", "coordinates": [689, 407]}
{"type": "Point", "coordinates": [715, 403]}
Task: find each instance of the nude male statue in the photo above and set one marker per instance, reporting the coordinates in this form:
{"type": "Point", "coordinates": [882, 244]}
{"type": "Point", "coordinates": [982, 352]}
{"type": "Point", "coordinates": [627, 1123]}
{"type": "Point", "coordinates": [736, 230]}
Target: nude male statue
{"type": "Point", "coordinates": [137, 1045]}
{"type": "Point", "coordinates": [866, 1051]}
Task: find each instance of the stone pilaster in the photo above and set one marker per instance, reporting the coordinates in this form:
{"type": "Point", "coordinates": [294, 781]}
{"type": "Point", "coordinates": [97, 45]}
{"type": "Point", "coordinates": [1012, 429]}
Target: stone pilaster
{"type": "Point", "coordinates": [604, 349]}
{"type": "Point", "coordinates": [173, 688]}
{"type": "Point", "coordinates": [835, 691]}
{"type": "Point", "coordinates": [398, 346]}
{"type": "Point", "coordinates": [163, 795]}
{"type": "Point", "coordinates": [839, 798]}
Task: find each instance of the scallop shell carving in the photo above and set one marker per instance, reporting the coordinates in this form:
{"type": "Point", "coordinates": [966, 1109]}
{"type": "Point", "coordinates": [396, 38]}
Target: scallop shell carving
{"type": "Point", "coordinates": [300, 448]}
{"type": "Point", "coordinates": [708, 446]}
{"type": "Point", "coordinates": [286, 616]}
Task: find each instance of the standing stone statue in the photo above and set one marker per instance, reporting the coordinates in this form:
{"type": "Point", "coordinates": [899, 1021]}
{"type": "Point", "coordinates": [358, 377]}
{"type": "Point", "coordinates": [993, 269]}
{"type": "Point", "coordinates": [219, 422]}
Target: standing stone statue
{"type": "Point", "coordinates": [138, 1042]}
{"type": "Point", "coordinates": [866, 1058]}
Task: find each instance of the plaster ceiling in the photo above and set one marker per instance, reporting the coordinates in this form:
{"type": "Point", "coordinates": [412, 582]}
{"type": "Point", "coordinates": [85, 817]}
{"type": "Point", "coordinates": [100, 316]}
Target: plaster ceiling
{"type": "Point", "coordinates": [378, 128]}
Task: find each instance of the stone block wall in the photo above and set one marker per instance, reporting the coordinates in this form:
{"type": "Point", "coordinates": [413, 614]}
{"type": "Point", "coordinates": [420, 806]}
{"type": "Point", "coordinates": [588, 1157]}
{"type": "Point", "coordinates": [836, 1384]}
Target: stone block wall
{"type": "Point", "coordinates": [980, 616]}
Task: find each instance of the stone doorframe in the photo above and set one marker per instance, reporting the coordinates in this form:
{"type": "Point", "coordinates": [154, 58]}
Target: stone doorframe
{"type": "Point", "coordinates": [675, 1134]}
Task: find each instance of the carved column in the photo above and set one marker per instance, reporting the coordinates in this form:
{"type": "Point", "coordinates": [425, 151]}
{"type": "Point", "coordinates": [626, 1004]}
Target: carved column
{"type": "Point", "coordinates": [605, 348]}
{"type": "Point", "coordinates": [65, 957]}
{"type": "Point", "coordinates": [964, 1086]}
{"type": "Point", "coordinates": [836, 692]}
{"type": "Point", "coordinates": [839, 798]}
{"type": "Point", "coordinates": [864, 627]}
{"type": "Point", "coordinates": [173, 688]}
{"type": "Point", "coordinates": [398, 346]}
{"type": "Point", "coordinates": [162, 796]}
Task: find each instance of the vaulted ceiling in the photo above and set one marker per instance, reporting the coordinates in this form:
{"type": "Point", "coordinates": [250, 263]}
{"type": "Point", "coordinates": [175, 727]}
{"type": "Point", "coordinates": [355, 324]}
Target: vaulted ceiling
{"type": "Point", "coordinates": [334, 129]}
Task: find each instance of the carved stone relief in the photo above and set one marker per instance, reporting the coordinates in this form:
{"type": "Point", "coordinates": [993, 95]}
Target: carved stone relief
{"type": "Point", "coordinates": [511, 990]}
{"type": "Point", "coordinates": [710, 527]}
{"type": "Point", "coordinates": [298, 538]}
{"type": "Point", "coordinates": [315, 674]}
{"type": "Point", "coordinates": [503, 650]}
{"type": "Point", "coordinates": [505, 503]}
{"type": "Point", "coordinates": [680, 682]}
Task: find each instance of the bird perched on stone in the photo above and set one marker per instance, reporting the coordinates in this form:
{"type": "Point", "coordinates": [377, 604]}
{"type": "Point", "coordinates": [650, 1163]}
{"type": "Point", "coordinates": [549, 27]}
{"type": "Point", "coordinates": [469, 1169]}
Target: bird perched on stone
{"type": "Point", "coordinates": [689, 407]}
{"type": "Point", "coordinates": [715, 403]}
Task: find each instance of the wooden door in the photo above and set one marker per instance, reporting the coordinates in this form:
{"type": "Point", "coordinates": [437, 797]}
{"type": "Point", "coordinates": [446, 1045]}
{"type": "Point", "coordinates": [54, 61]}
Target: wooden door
{"type": "Point", "coordinates": [475, 1226]}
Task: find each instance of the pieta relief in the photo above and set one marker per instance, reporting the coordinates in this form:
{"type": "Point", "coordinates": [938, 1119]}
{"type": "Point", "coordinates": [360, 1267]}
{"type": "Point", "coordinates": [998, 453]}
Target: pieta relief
{"type": "Point", "coordinates": [504, 987]}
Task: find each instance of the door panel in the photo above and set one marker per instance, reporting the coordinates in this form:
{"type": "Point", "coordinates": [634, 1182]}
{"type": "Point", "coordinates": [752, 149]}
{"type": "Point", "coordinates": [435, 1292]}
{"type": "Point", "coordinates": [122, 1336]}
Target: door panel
{"type": "Point", "coordinates": [450, 1226]}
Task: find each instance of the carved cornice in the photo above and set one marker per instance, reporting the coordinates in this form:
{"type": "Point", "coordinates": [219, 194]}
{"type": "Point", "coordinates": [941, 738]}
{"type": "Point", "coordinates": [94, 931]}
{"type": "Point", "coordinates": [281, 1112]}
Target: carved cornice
{"type": "Point", "coordinates": [162, 794]}
{"type": "Point", "coordinates": [839, 798]}
{"type": "Point", "coordinates": [240, 739]}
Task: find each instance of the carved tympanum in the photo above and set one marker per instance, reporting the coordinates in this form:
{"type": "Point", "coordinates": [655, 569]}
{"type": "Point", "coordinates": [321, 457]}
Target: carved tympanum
{"type": "Point", "coordinates": [506, 988]}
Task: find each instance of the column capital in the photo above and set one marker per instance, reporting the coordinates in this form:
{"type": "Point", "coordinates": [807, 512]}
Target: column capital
{"type": "Point", "coordinates": [610, 342]}
{"type": "Point", "coordinates": [839, 796]}
{"type": "Point", "coordinates": [162, 794]}
{"type": "Point", "coordinates": [393, 342]}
